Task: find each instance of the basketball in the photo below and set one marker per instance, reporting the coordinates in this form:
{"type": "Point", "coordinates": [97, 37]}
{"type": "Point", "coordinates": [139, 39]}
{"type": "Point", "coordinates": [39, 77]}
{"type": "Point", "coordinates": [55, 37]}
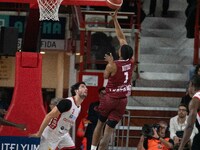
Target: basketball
{"type": "Point", "coordinates": [114, 4]}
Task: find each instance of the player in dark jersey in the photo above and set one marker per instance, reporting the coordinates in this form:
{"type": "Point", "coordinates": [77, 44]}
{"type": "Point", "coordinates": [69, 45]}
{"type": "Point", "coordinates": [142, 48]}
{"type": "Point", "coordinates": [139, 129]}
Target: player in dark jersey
{"type": "Point", "coordinates": [113, 104]}
{"type": "Point", "coordinates": [194, 107]}
{"type": "Point", "coordinates": [54, 130]}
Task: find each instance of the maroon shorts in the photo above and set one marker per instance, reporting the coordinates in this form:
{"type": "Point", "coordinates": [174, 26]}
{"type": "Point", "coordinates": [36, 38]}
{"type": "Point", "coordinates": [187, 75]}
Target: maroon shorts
{"type": "Point", "coordinates": [112, 108]}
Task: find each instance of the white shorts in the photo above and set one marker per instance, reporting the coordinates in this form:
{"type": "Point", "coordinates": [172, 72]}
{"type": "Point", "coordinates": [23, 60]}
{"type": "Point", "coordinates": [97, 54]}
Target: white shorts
{"type": "Point", "coordinates": [50, 141]}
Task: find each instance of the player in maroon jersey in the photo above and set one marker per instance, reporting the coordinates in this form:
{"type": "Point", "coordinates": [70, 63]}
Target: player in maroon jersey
{"type": "Point", "coordinates": [113, 104]}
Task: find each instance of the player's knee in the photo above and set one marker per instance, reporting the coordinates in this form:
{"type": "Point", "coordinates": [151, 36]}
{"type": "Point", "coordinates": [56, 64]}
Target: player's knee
{"type": "Point", "coordinates": [112, 123]}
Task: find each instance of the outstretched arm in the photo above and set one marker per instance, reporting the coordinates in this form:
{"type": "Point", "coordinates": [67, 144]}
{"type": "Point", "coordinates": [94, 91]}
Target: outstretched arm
{"type": "Point", "coordinates": [12, 124]}
{"type": "Point", "coordinates": [52, 114]}
{"type": "Point", "coordinates": [120, 35]}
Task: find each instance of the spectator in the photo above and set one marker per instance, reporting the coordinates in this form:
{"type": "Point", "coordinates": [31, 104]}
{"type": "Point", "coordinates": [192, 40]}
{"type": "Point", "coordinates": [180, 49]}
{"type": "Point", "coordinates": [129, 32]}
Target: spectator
{"type": "Point", "coordinates": [194, 107]}
{"type": "Point", "coordinates": [3, 104]}
{"type": "Point", "coordinates": [93, 118]}
{"type": "Point", "coordinates": [158, 139]}
{"type": "Point", "coordinates": [81, 132]}
{"type": "Point", "coordinates": [54, 102]}
{"type": "Point", "coordinates": [177, 126]}
{"type": "Point", "coordinates": [187, 98]}
{"type": "Point", "coordinates": [54, 130]}
{"type": "Point", "coordinates": [113, 104]}
{"type": "Point", "coordinates": [195, 70]}
{"type": "Point", "coordinates": [190, 13]}
{"type": "Point", "coordinates": [132, 6]}
{"type": "Point", "coordinates": [152, 8]}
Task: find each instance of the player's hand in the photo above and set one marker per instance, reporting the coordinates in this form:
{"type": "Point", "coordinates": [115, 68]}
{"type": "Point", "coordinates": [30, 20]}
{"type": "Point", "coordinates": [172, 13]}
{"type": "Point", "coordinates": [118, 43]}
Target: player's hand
{"type": "Point", "coordinates": [37, 135]}
{"type": "Point", "coordinates": [114, 14]}
{"type": "Point", "coordinates": [108, 58]}
{"type": "Point", "coordinates": [21, 126]}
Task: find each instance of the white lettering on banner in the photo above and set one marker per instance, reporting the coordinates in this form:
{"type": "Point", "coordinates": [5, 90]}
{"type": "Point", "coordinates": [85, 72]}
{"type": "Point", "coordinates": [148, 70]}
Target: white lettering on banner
{"type": "Point", "coordinates": [52, 44]}
{"type": "Point", "coordinates": [47, 44]}
{"type": "Point", "coordinates": [12, 146]}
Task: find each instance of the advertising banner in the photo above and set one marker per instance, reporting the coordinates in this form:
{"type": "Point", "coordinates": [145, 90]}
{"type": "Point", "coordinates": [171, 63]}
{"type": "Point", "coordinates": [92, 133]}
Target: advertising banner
{"type": "Point", "coordinates": [18, 143]}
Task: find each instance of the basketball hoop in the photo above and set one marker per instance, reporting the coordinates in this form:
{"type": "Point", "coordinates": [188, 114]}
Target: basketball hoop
{"type": "Point", "coordinates": [49, 9]}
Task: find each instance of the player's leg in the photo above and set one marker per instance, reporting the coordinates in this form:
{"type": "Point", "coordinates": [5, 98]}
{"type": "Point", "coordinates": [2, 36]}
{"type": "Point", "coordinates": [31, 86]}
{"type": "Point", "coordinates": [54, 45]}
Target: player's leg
{"type": "Point", "coordinates": [48, 140]}
{"type": "Point", "coordinates": [98, 131]}
{"type": "Point", "coordinates": [165, 7]}
{"type": "Point", "coordinates": [103, 109]}
{"type": "Point", "coordinates": [109, 128]}
{"type": "Point", "coordinates": [152, 8]}
{"type": "Point", "coordinates": [66, 143]}
{"type": "Point", "coordinates": [119, 106]}
{"type": "Point", "coordinates": [46, 144]}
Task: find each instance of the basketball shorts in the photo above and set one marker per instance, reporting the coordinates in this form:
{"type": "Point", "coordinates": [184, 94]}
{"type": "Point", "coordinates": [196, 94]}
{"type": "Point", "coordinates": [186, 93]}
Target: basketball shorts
{"type": "Point", "coordinates": [112, 108]}
{"type": "Point", "coordinates": [51, 141]}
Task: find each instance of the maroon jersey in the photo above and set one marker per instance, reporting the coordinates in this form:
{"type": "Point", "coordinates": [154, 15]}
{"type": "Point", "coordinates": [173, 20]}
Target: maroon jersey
{"type": "Point", "coordinates": [119, 85]}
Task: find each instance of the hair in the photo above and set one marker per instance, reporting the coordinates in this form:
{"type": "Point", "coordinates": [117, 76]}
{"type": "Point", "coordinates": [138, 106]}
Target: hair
{"type": "Point", "coordinates": [183, 105]}
{"type": "Point", "coordinates": [101, 89]}
{"type": "Point", "coordinates": [75, 87]}
{"type": "Point", "coordinates": [163, 122]}
{"type": "Point", "coordinates": [126, 52]}
{"type": "Point", "coordinates": [196, 69]}
{"type": "Point", "coordinates": [196, 82]}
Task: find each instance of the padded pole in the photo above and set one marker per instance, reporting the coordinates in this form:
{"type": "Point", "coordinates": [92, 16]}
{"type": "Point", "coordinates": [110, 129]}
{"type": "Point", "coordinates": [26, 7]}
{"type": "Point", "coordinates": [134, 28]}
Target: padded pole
{"type": "Point", "coordinates": [27, 104]}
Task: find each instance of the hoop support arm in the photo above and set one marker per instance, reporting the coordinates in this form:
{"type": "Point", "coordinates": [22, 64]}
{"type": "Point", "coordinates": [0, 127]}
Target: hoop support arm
{"type": "Point", "coordinates": [66, 2]}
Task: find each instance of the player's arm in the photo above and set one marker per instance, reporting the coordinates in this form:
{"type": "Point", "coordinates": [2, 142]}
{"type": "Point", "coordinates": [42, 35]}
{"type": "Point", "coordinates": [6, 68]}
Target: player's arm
{"type": "Point", "coordinates": [62, 106]}
{"type": "Point", "coordinates": [52, 114]}
{"type": "Point", "coordinates": [12, 124]}
{"type": "Point", "coordinates": [120, 35]}
{"type": "Point", "coordinates": [109, 67]}
{"type": "Point", "coordinates": [193, 107]}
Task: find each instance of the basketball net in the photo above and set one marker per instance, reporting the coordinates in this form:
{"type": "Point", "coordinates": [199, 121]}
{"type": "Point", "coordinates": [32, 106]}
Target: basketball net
{"type": "Point", "coordinates": [49, 9]}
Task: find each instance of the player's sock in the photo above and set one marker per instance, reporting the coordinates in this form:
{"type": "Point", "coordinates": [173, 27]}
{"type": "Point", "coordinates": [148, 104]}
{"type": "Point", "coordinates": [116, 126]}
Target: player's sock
{"type": "Point", "coordinates": [93, 147]}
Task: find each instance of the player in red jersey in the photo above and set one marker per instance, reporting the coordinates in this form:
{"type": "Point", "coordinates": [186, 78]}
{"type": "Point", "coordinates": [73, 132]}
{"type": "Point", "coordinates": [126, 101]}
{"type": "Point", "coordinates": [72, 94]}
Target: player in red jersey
{"type": "Point", "coordinates": [113, 104]}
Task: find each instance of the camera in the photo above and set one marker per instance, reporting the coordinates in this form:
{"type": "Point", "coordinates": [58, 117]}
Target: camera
{"type": "Point", "coordinates": [179, 134]}
{"type": "Point", "coordinates": [147, 129]}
